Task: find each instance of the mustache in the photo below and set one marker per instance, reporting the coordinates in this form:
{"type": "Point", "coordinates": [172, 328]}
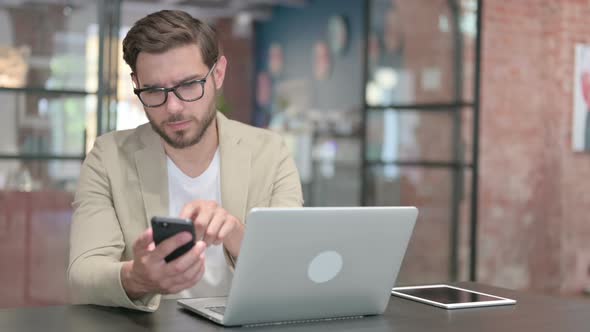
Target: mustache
{"type": "Point", "coordinates": [177, 118]}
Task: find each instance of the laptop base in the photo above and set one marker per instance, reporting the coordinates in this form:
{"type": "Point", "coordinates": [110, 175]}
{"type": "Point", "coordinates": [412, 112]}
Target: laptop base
{"type": "Point", "coordinates": [206, 307]}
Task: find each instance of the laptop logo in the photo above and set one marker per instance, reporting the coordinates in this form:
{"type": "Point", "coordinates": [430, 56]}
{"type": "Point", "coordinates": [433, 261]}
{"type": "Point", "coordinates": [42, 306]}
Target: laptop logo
{"type": "Point", "coordinates": [324, 267]}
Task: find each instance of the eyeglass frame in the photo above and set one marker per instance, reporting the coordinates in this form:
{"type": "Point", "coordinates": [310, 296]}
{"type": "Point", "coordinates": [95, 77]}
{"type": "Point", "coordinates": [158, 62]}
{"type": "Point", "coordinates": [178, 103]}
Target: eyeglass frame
{"type": "Point", "coordinates": [201, 81]}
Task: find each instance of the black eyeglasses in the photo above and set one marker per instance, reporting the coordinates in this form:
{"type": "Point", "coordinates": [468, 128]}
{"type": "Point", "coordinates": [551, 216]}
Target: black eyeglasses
{"type": "Point", "coordinates": [186, 91]}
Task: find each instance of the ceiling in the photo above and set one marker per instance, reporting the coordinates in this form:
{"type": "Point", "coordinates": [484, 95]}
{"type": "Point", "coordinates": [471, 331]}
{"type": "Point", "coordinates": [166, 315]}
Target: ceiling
{"type": "Point", "coordinates": [210, 9]}
{"type": "Point", "coordinates": [205, 9]}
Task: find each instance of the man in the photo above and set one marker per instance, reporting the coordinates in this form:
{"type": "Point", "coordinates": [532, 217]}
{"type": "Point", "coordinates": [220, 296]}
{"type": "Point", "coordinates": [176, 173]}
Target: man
{"type": "Point", "coordinates": [189, 161]}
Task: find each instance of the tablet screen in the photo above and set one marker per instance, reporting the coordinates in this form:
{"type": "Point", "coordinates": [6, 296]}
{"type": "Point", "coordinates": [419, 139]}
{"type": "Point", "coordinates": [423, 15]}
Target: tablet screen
{"type": "Point", "coordinates": [446, 295]}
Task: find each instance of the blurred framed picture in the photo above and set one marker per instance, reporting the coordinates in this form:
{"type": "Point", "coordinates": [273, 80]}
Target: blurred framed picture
{"type": "Point", "coordinates": [338, 34]}
{"type": "Point", "coordinates": [322, 61]}
{"type": "Point", "coordinates": [581, 118]}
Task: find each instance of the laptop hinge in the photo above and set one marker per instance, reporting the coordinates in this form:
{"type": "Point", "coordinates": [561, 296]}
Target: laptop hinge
{"type": "Point", "coordinates": [303, 321]}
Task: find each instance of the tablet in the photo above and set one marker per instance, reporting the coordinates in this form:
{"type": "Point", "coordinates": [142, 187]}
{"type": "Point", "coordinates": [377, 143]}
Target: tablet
{"type": "Point", "coordinates": [449, 297]}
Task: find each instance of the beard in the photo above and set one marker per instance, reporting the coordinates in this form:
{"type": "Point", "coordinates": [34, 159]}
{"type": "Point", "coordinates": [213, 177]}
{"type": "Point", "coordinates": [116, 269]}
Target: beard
{"type": "Point", "coordinates": [181, 139]}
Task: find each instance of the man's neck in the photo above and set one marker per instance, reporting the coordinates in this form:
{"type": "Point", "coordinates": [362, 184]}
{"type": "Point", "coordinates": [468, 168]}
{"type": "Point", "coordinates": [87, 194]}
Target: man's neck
{"type": "Point", "coordinates": [194, 160]}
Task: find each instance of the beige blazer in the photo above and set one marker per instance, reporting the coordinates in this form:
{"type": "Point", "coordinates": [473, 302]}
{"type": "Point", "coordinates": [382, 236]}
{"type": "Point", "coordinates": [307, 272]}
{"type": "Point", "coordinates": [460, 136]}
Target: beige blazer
{"type": "Point", "coordinates": [124, 182]}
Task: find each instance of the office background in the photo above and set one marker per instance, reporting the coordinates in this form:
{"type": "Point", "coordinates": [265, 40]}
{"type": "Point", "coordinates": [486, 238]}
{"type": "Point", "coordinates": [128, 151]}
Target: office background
{"type": "Point", "coordinates": [383, 102]}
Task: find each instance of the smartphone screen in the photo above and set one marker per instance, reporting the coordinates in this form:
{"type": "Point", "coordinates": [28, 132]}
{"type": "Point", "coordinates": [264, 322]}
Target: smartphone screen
{"type": "Point", "coordinates": [166, 227]}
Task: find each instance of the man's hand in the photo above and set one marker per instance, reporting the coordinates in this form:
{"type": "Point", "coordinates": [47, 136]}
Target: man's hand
{"type": "Point", "coordinates": [149, 273]}
{"type": "Point", "coordinates": [215, 224]}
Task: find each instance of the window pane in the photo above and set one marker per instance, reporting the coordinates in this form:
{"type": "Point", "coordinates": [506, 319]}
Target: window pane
{"type": "Point", "coordinates": [44, 123]}
{"type": "Point", "coordinates": [48, 44]}
{"type": "Point", "coordinates": [418, 135]}
{"type": "Point", "coordinates": [417, 49]}
{"type": "Point", "coordinates": [464, 233]}
{"type": "Point", "coordinates": [431, 191]}
{"type": "Point", "coordinates": [130, 111]}
{"type": "Point", "coordinates": [335, 180]}
{"type": "Point", "coordinates": [35, 175]}
{"type": "Point", "coordinates": [468, 22]}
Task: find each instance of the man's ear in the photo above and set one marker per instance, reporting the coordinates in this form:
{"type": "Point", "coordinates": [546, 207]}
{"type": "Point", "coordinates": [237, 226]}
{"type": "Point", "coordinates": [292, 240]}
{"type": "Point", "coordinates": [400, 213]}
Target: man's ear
{"type": "Point", "coordinates": [219, 72]}
{"type": "Point", "coordinates": [134, 81]}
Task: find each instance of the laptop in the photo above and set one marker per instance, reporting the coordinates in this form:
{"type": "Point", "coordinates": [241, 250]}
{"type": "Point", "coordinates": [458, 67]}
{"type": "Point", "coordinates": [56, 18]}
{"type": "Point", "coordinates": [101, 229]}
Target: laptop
{"type": "Point", "coordinates": [308, 264]}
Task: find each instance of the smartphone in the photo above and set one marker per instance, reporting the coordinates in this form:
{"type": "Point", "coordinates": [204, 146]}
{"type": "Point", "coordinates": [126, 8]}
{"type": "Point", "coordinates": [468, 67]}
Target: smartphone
{"type": "Point", "coordinates": [165, 227]}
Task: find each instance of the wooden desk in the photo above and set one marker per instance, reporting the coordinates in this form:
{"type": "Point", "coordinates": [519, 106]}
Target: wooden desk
{"type": "Point", "coordinates": [531, 313]}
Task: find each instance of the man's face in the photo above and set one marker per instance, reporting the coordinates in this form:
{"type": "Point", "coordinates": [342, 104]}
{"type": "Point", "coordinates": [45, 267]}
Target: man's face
{"type": "Point", "coordinates": [180, 123]}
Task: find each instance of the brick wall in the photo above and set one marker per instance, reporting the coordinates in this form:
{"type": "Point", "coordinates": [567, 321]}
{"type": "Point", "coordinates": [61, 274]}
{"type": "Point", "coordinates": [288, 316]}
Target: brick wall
{"type": "Point", "coordinates": [535, 191]}
{"type": "Point", "coordinates": [238, 90]}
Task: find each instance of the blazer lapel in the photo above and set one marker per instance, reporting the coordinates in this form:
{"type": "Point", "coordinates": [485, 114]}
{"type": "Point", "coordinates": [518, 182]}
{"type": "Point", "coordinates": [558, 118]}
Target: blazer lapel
{"type": "Point", "coordinates": [152, 171]}
{"type": "Point", "coordinates": [235, 169]}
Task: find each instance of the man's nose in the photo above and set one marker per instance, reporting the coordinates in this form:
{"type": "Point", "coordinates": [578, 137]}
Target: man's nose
{"type": "Point", "coordinates": [174, 104]}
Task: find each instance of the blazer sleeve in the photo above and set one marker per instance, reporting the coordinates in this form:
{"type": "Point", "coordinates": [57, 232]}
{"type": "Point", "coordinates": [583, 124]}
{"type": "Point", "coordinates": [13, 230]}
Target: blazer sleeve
{"type": "Point", "coordinates": [286, 190]}
{"type": "Point", "coordinates": [96, 241]}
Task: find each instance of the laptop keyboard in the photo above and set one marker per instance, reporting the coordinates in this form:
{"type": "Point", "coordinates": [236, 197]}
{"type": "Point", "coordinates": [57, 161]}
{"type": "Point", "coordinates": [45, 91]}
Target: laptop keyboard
{"type": "Point", "coordinates": [220, 309]}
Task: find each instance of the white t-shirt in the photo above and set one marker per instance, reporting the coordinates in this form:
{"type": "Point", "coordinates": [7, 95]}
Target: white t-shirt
{"type": "Point", "coordinates": [207, 186]}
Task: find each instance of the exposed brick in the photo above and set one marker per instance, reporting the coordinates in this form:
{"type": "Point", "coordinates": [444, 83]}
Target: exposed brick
{"type": "Point", "coordinates": [534, 189]}
{"type": "Point", "coordinates": [238, 87]}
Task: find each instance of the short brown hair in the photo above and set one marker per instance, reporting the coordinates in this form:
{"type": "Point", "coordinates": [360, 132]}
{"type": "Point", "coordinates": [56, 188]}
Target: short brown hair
{"type": "Point", "coordinates": [164, 30]}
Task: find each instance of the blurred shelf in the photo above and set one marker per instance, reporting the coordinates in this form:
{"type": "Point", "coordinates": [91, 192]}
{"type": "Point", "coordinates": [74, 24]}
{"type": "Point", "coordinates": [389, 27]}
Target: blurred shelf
{"type": "Point", "coordinates": [58, 92]}
{"type": "Point", "coordinates": [338, 163]}
{"type": "Point", "coordinates": [419, 163]}
{"type": "Point", "coordinates": [333, 135]}
{"type": "Point", "coordinates": [32, 156]}
{"type": "Point", "coordinates": [431, 107]}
